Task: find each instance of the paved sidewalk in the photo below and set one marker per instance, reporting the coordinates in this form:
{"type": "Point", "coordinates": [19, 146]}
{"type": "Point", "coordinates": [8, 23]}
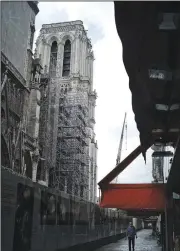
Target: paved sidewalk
{"type": "Point", "coordinates": [144, 242]}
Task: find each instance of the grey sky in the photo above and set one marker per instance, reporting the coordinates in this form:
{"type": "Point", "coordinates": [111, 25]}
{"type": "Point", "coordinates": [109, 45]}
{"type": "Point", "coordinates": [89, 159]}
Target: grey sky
{"type": "Point", "coordinates": [110, 81]}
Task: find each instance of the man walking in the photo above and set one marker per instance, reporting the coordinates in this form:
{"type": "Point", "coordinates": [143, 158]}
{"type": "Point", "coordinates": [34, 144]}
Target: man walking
{"type": "Point", "coordinates": [131, 233]}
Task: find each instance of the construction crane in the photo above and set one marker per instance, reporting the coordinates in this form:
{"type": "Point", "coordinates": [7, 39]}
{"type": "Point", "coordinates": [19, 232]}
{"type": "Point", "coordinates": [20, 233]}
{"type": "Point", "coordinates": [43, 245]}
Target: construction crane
{"type": "Point", "coordinates": [118, 159]}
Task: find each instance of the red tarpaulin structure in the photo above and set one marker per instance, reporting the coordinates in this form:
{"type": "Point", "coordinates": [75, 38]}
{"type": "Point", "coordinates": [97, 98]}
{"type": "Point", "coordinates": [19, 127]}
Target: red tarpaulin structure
{"type": "Point", "coordinates": [134, 197]}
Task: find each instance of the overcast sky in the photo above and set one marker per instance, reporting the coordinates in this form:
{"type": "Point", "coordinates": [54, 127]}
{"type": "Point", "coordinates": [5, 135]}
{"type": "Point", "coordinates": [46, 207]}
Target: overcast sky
{"type": "Point", "coordinates": [110, 82]}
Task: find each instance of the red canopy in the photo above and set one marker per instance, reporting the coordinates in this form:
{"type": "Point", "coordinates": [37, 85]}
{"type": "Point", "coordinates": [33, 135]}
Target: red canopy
{"type": "Point", "coordinates": [150, 197]}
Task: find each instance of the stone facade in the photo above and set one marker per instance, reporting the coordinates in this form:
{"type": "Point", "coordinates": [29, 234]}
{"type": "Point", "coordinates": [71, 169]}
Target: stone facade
{"type": "Point", "coordinates": [17, 19]}
{"type": "Point", "coordinates": [18, 143]}
{"type": "Point", "coordinates": [74, 90]}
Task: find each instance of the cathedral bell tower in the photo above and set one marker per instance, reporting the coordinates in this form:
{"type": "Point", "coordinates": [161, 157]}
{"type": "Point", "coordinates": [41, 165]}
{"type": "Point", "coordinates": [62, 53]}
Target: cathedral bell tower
{"type": "Point", "coordinates": [67, 59]}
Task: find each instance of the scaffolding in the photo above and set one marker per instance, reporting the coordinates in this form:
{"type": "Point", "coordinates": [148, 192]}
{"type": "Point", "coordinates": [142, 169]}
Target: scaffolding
{"type": "Point", "coordinates": [71, 174]}
{"type": "Point", "coordinates": [73, 167]}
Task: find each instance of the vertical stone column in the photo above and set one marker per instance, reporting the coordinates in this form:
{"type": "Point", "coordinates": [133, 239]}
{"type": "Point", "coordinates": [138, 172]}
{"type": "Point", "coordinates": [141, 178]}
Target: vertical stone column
{"type": "Point", "coordinates": [60, 55]}
{"type": "Point", "coordinates": [39, 50]}
{"type": "Point", "coordinates": [86, 61]}
{"type": "Point", "coordinates": [34, 171]}
{"type": "Point", "coordinates": [93, 112]}
{"type": "Point", "coordinates": [87, 66]}
{"type": "Point", "coordinates": [25, 110]}
{"type": "Point", "coordinates": [35, 159]}
{"type": "Point", "coordinates": [53, 121]}
{"type": "Point", "coordinates": [89, 115]}
{"type": "Point", "coordinates": [42, 52]}
{"type": "Point", "coordinates": [80, 56]}
{"type": "Point", "coordinates": [47, 51]}
{"type": "Point", "coordinates": [73, 52]}
{"type": "Point", "coordinates": [84, 55]}
{"type": "Point", "coordinates": [77, 53]}
{"type": "Point", "coordinates": [89, 56]}
{"type": "Point", "coordinates": [91, 72]}
{"type": "Point", "coordinates": [36, 130]}
{"type": "Point", "coordinates": [34, 111]}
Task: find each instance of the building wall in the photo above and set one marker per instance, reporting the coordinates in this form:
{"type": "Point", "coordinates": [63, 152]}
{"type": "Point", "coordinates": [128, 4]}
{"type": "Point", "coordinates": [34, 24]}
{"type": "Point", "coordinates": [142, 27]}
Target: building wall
{"type": "Point", "coordinates": [78, 85]}
{"type": "Point", "coordinates": [66, 224]}
{"type": "Point", "coordinates": [15, 27]}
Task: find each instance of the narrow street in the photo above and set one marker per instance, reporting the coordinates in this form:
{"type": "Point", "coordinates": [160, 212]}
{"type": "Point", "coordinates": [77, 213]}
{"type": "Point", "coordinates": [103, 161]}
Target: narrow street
{"type": "Point", "coordinates": [144, 242]}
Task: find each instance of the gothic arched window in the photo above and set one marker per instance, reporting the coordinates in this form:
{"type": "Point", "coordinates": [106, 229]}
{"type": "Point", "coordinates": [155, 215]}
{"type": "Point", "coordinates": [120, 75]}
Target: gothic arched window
{"type": "Point", "coordinates": [66, 59]}
{"type": "Point", "coordinates": [53, 59]}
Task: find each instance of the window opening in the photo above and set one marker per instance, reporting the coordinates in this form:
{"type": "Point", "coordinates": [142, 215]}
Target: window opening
{"type": "Point", "coordinates": [66, 59]}
{"type": "Point", "coordinates": [53, 59]}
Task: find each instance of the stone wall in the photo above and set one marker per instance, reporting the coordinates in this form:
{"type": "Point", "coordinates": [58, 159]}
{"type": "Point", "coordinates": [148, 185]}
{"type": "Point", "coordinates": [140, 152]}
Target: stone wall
{"type": "Point", "coordinates": [15, 24]}
{"type": "Point", "coordinates": [66, 223]}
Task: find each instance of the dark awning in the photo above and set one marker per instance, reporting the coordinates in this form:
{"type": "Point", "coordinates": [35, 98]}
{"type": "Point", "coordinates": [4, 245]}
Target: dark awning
{"type": "Point", "coordinates": [151, 56]}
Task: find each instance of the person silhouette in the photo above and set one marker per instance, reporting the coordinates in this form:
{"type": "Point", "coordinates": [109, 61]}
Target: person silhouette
{"type": "Point", "coordinates": [131, 234]}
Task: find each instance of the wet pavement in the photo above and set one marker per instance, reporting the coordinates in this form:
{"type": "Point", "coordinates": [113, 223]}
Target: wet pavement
{"type": "Point", "coordinates": [144, 242]}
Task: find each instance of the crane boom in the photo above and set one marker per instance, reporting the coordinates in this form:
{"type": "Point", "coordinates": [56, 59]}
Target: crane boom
{"type": "Point", "coordinates": [121, 142]}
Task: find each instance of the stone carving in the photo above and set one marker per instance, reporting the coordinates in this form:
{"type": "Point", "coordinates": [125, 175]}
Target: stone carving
{"type": "Point", "coordinates": [65, 36]}
{"type": "Point", "coordinates": [65, 78]}
{"type": "Point", "coordinates": [89, 43]}
{"type": "Point", "coordinates": [54, 81]}
{"type": "Point", "coordinates": [78, 34]}
{"type": "Point", "coordinates": [91, 54]}
{"type": "Point", "coordinates": [92, 98]}
{"type": "Point", "coordinates": [44, 40]}
{"type": "Point", "coordinates": [40, 38]}
{"type": "Point", "coordinates": [82, 87]}
{"type": "Point", "coordinates": [75, 75]}
{"type": "Point", "coordinates": [61, 29]}
{"type": "Point", "coordinates": [84, 79]}
{"type": "Point", "coordinates": [35, 53]}
{"type": "Point", "coordinates": [84, 38]}
{"type": "Point", "coordinates": [50, 39]}
{"type": "Point", "coordinates": [45, 69]}
{"type": "Point", "coordinates": [78, 22]}
{"type": "Point", "coordinates": [64, 86]}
